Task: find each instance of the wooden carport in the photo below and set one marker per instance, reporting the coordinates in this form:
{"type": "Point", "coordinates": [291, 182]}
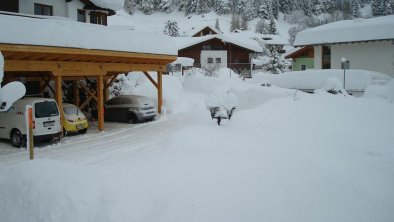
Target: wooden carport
{"type": "Point", "coordinates": [42, 63]}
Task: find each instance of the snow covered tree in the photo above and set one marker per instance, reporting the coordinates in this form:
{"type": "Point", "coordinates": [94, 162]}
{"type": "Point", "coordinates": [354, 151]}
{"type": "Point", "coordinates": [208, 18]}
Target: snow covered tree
{"type": "Point", "coordinates": [249, 11]}
{"type": "Point", "coordinates": [147, 7]}
{"type": "Point", "coordinates": [316, 8]}
{"type": "Point", "coordinates": [217, 25]}
{"type": "Point", "coordinates": [222, 7]}
{"type": "Point", "coordinates": [275, 8]}
{"type": "Point", "coordinates": [293, 32]}
{"type": "Point", "coordinates": [264, 11]}
{"type": "Point", "coordinates": [377, 8]}
{"type": "Point", "coordinates": [305, 7]}
{"type": "Point", "coordinates": [171, 28]}
{"type": "Point", "coordinates": [386, 6]}
{"type": "Point", "coordinates": [197, 6]}
{"type": "Point", "coordinates": [355, 9]}
{"type": "Point", "coordinates": [272, 26]}
{"type": "Point", "coordinates": [261, 26]}
{"type": "Point", "coordinates": [276, 63]}
{"type": "Point", "coordinates": [244, 23]}
{"type": "Point", "coordinates": [234, 23]}
{"type": "Point", "coordinates": [130, 6]}
{"type": "Point", "coordinates": [286, 6]}
{"type": "Point", "coordinates": [163, 5]}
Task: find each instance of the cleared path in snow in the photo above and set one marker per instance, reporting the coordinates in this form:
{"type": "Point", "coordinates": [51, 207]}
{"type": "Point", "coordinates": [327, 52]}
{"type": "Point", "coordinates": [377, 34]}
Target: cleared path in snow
{"type": "Point", "coordinates": [118, 142]}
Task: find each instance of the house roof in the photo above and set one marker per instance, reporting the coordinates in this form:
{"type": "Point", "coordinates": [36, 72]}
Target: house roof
{"type": "Point", "coordinates": [244, 42]}
{"type": "Point", "coordinates": [297, 51]}
{"type": "Point", "coordinates": [194, 31]}
{"type": "Point", "coordinates": [106, 4]}
{"type": "Point", "coordinates": [71, 34]}
{"type": "Point", "coordinates": [358, 30]}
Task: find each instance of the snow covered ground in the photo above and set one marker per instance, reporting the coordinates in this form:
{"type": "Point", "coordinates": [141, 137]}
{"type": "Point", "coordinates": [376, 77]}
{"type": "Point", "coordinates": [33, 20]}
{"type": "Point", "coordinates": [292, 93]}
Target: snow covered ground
{"type": "Point", "coordinates": [284, 156]}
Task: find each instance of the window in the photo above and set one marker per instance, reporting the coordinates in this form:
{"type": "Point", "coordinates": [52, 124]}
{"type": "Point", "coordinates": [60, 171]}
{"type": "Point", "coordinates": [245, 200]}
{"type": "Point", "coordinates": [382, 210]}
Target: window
{"type": "Point", "coordinates": [218, 60]}
{"type": "Point", "coordinates": [9, 5]}
{"type": "Point", "coordinates": [206, 47]}
{"type": "Point", "coordinates": [303, 67]}
{"type": "Point", "coordinates": [81, 15]}
{"type": "Point", "coordinates": [45, 109]}
{"type": "Point", "coordinates": [210, 60]}
{"type": "Point", "coordinates": [99, 18]}
{"type": "Point", "coordinates": [40, 9]}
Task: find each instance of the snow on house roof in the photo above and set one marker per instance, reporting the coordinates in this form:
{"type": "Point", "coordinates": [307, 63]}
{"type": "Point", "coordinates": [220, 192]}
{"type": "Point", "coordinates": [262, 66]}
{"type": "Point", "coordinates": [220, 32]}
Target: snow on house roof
{"type": "Point", "coordinates": [62, 33]}
{"type": "Point", "coordinates": [379, 28]}
{"type": "Point", "coordinates": [244, 42]}
{"type": "Point", "coordinates": [110, 4]}
{"type": "Point", "coordinates": [196, 30]}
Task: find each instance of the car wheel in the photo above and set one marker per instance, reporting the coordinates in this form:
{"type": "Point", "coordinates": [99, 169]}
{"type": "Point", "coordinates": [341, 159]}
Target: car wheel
{"type": "Point", "coordinates": [16, 138]}
{"type": "Point", "coordinates": [83, 131]}
{"type": "Point", "coordinates": [131, 119]}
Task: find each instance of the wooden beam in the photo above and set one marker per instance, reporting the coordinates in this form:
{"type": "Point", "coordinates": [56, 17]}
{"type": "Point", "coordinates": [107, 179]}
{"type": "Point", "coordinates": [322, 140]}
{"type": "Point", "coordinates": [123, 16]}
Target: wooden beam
{"type": "Point", "coordinates": [91, 93]}
{"type": "Point", "coordinates": [159, 91]}
{"type": "Point", "coordinates": [77, 68]}
{"type": "Point", "coordinates": [150, 79]}
{"type": "Point", "coordinates": [76, 93]}
{"type": "Point", "coordinates": [100, 103]}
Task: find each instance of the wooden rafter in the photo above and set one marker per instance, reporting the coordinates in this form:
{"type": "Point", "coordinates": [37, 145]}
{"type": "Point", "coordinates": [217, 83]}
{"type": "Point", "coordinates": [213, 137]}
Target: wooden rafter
{"type": "Point", "coordinates": [151, 79]}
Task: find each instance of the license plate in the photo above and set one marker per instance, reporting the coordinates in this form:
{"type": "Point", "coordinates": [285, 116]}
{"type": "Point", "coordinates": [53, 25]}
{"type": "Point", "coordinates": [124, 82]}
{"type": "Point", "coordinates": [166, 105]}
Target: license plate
{"type": "Point", "coordinates": [80, 126]}
{"type": "Point", "coordinates": [50, 123]}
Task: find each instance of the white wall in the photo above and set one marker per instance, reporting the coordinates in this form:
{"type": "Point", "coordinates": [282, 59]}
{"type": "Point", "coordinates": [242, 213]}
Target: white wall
{"type": "Point", "coordinates": [374, 56]}
{"type": "Point", "coordinates": [60, 7]}
{"type": "Point", "coordinates": [205, 54]}
{"type": "Point", "coordinates": [318, 56]}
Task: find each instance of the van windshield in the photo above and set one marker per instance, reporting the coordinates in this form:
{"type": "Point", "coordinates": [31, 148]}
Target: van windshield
{"type": "Point", "coordinates": [45, 109]}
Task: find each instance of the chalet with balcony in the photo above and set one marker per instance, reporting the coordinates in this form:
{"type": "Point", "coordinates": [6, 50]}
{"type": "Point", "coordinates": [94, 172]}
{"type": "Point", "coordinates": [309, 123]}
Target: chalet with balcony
{"type": "Point", "coordinates": [77, 10]}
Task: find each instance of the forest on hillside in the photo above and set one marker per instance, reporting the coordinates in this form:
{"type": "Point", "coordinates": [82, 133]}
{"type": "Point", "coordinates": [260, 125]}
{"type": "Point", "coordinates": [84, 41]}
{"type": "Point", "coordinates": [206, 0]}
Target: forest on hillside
{"type": "Point", "coordinates": [264, 9]}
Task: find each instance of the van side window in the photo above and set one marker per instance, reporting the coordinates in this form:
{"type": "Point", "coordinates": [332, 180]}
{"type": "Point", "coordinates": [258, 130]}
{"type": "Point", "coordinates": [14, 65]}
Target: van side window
{"type": "Point", "coordinates": [45, 109]}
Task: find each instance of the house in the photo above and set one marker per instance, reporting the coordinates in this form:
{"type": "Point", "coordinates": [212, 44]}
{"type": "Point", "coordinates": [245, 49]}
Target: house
{"type": "Point", "coordinates": [219, 51]}
{"type": "Point", "coordinates": [276, 42]}
{"type": "Point", "coordinates": [89, 11]}
{"type": "Point", "coordinates": [302, 58]}
{"type": "Point", "coordinates": [366, 44]}
{"type": "Point", "coordinates": [54, 50]}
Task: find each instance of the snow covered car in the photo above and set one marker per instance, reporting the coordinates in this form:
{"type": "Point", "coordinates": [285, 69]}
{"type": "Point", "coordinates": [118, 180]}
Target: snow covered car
{"type": "Point", "coordinates": [129, 109]}
{"type": "Point", "coordinates": [74, 120]}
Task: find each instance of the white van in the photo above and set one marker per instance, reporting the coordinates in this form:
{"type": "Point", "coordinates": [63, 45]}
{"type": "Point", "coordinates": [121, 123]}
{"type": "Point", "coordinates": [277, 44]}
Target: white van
{"type": "Point", "coordinates": [46, 121]}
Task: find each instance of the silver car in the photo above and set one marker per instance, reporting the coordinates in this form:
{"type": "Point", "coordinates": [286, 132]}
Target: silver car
{"type": "Point", "coordinates": [129, 109]}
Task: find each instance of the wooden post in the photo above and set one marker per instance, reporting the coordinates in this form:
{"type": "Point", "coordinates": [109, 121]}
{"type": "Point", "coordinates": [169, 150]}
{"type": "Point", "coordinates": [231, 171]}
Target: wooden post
{"type": "Point", "coordinates": [159, 91]}
{"type": "Point", "coordinates": [59, 95]}
{"type": "Point", "coordinates": [100, 102]}
{"type": "Point", "coordinates": [30, 140]}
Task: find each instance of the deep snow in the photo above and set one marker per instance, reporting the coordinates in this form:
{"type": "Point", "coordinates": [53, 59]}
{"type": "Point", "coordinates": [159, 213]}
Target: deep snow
{"type": "Point", "coordinates": [288, 157]}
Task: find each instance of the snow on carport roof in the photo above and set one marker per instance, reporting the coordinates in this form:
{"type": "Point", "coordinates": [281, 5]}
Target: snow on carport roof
{"type": "Point", "coordinates": [358, 30]}
{"type": "Point", "coordinates": [70, 34]}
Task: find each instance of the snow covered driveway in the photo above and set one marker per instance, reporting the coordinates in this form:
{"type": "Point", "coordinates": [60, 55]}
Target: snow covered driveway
{"type": "Point", "coordinates": [296, 158]}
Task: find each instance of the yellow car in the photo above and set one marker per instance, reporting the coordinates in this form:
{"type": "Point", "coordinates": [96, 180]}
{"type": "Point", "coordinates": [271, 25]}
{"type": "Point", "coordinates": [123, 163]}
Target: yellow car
{"type": "Point", "coordinates": [74, 120]}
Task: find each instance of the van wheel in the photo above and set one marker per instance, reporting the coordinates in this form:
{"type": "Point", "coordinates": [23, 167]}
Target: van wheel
{"type": "Point", "coordinates": [16, 138]}
{"type": "Point", "coordinates": [132, 119]}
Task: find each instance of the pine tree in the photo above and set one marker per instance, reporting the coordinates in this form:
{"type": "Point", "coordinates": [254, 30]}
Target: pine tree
{"type": "Point", "coordinates": [276, 63]}
{"type": "Point", "coordinates": [377, 9]}
{"type": "Point", "coordinates": [244, 23]}
{"type": "Point", "coordinates": [234, 23]}
{"type": "Point", "coordinates": [355, 9]}
{"type": "Point", "coordinates": [261, 27]}
{"type": "Point", "coordinates": [286, 6]}
{"type": "Point", "coordinates": [147, 7]}
{"type": "Point", "coordinates": [264, 11]}
{"type": "Point", "coordinates": [275, 8]}
{"type": "Point", "coordinates": [217, 25]}
{"type": "Point", "coordinates": [272, 26]}
{"type": "Point", "coordinates": [222, 7]}
{"type": "Point", "coordinates": [293, 32]}
{"type": "Point", "coordinates": [130, 6]}
{"type": "Point", "coordinates": [249, 11]}
{"type": "Point", "coordinates": [171, 28]}
{"type": "Point", "coordinates": [305, 7]}
{"type": "Point", "coordinates": [316, 8]}
{"type": "Point", "coordinates": [386, 7]}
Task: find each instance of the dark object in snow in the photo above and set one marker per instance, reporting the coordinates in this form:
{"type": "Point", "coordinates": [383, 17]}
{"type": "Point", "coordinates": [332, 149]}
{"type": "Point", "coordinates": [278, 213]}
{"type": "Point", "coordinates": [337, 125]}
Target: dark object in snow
{"type": "Point", "coordinates": [266, 84]}
{"type": "Point", "coordinates": [220, 113]}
